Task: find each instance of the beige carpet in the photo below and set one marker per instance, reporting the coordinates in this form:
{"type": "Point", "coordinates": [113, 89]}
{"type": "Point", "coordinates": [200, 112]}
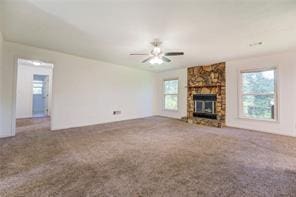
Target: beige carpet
{"type": "Point", "coordinates": [146, 157]}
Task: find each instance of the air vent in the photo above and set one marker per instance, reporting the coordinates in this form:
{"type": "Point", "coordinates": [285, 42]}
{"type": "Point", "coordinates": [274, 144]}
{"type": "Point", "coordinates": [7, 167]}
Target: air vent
{"type": "Point", "coordinates": [255, 44]}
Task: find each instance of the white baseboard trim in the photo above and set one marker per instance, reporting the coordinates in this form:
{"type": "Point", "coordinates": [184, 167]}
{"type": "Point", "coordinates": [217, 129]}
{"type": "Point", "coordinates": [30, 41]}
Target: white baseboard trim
{"type": "Point", "coordinates": [5, 135]}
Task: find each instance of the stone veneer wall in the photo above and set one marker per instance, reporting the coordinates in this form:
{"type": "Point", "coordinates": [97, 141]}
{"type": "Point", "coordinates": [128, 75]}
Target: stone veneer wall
{"type": "Point", "coordinates": [208, 79]}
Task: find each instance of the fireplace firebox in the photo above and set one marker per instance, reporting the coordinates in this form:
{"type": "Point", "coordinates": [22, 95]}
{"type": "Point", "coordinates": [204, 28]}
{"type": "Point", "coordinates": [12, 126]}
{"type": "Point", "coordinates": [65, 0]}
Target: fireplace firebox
{"type": "Point", "coordinates": [205, 106]}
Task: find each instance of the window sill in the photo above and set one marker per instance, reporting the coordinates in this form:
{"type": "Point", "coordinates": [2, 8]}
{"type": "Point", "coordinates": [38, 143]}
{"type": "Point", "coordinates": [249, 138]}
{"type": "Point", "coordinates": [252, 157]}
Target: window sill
{"type": "Point", "coordinates": [259, 120]}
{"type": "Point", "coordinates": [170, 110]}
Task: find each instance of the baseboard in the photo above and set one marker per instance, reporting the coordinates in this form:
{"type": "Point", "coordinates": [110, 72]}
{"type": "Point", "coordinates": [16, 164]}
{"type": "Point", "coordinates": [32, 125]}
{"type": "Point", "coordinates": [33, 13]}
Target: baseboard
{"type": "Point", "coordinates": [93, 124]}
{"type": "Point", "coordinates": [263, 131]}
{"type": "Point", "coordinates": [5, 135]}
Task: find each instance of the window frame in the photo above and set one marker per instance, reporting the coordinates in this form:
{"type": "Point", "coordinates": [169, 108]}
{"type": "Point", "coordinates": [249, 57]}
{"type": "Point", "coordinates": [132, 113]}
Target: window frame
{"type": "Point", "coordinates": [241, 94]}
{"type": "Point", "coordinates": [164, 94]}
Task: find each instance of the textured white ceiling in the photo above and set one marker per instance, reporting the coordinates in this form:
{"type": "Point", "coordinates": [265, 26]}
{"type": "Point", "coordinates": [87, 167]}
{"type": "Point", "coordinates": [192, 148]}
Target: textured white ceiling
{"type": "Point", "coordinates": [207, 31]}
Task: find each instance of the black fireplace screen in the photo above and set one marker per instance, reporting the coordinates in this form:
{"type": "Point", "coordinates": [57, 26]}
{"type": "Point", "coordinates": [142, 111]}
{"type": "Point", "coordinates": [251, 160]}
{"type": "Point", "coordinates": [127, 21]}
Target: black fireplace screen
{"type": "Point", "coordinates": [205, 106]}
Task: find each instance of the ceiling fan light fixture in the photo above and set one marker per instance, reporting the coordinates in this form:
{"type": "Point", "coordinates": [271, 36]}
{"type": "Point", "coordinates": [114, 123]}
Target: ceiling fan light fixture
{"type": "Point", "coordinates": [156, 55]}
{"type": "Point", "coordinates": [156, 60]}
{"type": "Point", "coordinates": [156, 50]}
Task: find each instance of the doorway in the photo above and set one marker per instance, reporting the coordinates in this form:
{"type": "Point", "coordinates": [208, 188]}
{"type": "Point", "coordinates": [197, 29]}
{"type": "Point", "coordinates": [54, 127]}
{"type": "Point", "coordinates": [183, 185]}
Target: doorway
{"type": "Point", "coordinates": [33, 94]}
{"type": "Point", "coordinates": [40, 95]}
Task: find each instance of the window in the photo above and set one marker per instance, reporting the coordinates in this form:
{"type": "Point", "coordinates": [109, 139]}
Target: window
{"type": "Point", "coordinates": [258, 94]}
{"type": "Point", "coordinates": [37, 87]}
{"type": "Point", "coordinates": [171, 94]}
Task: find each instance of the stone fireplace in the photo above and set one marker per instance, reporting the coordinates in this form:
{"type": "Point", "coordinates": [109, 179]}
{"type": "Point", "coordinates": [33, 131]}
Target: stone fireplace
{"type": "Point", "coordinates": [206, 95]}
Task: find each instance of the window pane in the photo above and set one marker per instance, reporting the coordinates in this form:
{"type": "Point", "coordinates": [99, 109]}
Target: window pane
{"type": "Point", "coordinates": [171, 87]}
{"type": "Point", "coordinates": [37, 84]}
{"type": "Point", "coordinates": [171, 102]}
{"type": "Point", "coordinates": [37, 91]}
{"type": "Point", "coordinates": [258, 106]}
{"type": "Point", "coordinates": [258, 82]}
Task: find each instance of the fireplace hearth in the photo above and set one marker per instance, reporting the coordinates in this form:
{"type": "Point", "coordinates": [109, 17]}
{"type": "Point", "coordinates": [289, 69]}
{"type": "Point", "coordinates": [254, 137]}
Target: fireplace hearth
{"type": "Point", "coordinates": [205, 106]}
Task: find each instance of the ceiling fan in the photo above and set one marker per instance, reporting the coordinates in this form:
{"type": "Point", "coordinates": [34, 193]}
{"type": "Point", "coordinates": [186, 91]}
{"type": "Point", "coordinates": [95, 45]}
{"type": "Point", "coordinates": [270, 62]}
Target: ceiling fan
{"type": "Point", "coordinates": [156, 55]}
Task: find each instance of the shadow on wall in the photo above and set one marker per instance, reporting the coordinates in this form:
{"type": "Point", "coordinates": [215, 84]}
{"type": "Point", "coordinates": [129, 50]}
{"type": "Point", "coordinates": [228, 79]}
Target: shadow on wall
{"type": "Point", "coordinates": [38, 17]}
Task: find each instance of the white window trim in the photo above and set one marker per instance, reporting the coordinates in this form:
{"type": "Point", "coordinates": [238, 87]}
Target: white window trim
{"type": "Point", "coordinates": [276, 93]}
{"type": "Point", "coordinates": [164, 94]}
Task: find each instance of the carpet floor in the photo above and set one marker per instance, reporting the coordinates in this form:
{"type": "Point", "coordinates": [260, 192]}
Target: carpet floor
{"type": "Point", "coordinates": [145, 157]}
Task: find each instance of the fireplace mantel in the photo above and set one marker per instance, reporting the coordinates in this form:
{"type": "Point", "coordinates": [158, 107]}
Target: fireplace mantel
{"type": "Point", "coordinates": [205, 86]}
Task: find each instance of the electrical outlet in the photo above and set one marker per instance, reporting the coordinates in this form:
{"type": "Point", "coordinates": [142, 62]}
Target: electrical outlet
{"type": "Point", "coordinates": [116, 112]}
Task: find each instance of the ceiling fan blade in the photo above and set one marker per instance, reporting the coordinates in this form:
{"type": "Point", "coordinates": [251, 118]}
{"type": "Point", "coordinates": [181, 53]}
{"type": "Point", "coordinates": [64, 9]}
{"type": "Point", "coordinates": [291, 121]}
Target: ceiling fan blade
{"type": "Point", "coordinates": [139, 54]}
{"type": "Point", "coordinates": [146, 60]}
{"type": "Point", "coordinates": [165, 59]}
{"type": "Point", "coordinates": [174, 53]}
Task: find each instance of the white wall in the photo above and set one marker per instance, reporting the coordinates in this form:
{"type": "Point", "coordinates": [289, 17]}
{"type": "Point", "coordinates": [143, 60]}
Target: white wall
{"type": "Point", "coordinates": [2, 134]}
{"type": "Point", "coordinates": [181, 74]}
{"type": "Point", "coordinates": [85, 91]}
{"type": "Point", "coordinates": [24, 99]}
{"type": "Point", "coordinates": [286, 63]}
